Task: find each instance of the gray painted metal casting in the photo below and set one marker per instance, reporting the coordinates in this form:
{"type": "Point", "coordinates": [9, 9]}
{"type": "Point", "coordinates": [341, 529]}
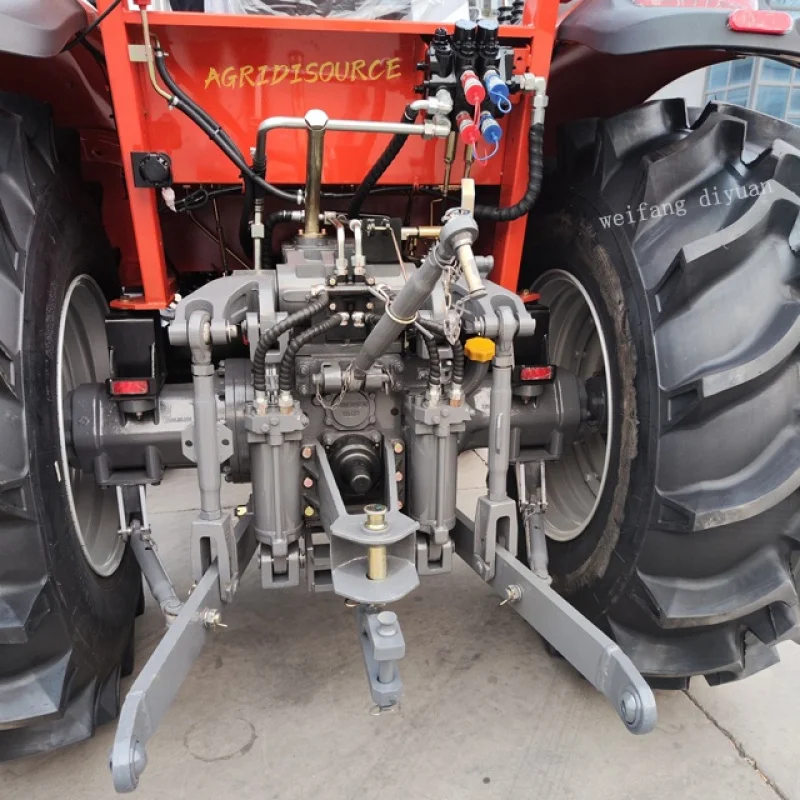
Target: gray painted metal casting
{"type": "Point", "coordinates": [351, 452]}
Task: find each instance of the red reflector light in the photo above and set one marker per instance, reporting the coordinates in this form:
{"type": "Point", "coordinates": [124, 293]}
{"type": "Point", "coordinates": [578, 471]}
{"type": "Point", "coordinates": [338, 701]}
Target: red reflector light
{"type": "Point", "coordinates": [535, 373]}
{"type": "Point", "coordinates": [749, 21]}
{"type": "Point", "coordinates": [129, 387]}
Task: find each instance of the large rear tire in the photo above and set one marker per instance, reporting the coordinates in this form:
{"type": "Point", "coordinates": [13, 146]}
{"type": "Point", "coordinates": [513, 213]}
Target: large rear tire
{"type": "Point", "coordinates": [68, 587]}
{"type": "Point", "coordinates": [690, 556]}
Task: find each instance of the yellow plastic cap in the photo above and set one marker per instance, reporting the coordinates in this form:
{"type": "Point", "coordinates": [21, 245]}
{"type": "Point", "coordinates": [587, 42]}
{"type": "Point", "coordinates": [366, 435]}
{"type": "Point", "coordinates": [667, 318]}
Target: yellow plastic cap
{"type": "Point", "coordinates": [479, 349]}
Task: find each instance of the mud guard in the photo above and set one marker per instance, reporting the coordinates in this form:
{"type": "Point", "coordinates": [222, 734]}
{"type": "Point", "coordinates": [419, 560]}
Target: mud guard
{"type": "Point", "coordinates": [625, 27]}
{"type": "Point", "coordinates": [39, 28]}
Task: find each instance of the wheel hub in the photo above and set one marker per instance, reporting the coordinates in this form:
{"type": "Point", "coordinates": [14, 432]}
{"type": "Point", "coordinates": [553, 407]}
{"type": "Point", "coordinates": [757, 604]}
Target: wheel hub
{"type": "Point", "coordinates": [578, 343]}
{"type": "Point", "coordinates": [82, 357]}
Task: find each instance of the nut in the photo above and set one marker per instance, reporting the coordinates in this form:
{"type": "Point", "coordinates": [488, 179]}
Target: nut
{"type": "Point", "coordinates": [398, 447]}
{"type": "Point", "coordinates": [376, 517]}
{"type": "Point", "coordinates": [306, 452]}
{"type": "Point", "coordinates": [309, 511]}
{"type": "Point", "coordinates": [308, 482]}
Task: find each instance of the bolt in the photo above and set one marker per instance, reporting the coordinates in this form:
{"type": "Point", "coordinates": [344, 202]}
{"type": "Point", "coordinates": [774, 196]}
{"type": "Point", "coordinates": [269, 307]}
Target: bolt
{"type": "Point", "coordinates": [399, 503]}
{"type": "Point", "coordinates": [309, 511]}
{"type": "Point", "coordinates": [332, 306]}
{"type": "Point", "coordinates": [398, 476]}
{"type": "Point", "coordinates": [306, 452]}
{"type": "Point", "coordinates": [398, 447]}
{"type": "Point", "coordinates": [370, 305]}
{"type": "Point", "coordinates": [331, 281]}
{"type": "Point", "coordinates": [241, 511]}
{"type": "Point", "coordinates": [398, 367]}
{"type": "Point", "coordinates": [370, 281]}
{"type": "Point", "coordinates": [327, 439]}
{"type": "Point", "coordinates": [308, 483]}
{"type": "Point", "coordinates": [387, 623]}
{"type": "Point", "coordinates": [211, 618]}
{"type": "Point", "coordinates": [629, 706]}
{"type": "Point", "coordinates": [513, 594]}
{"type": "Point", "coordinates": [303, 369]}
{"type": "Point", "coordinates": [274, 421]}
{"type": "Point", "coordinates": [376, 437]}
{"type": "Point", "coordinates": [445, 412]}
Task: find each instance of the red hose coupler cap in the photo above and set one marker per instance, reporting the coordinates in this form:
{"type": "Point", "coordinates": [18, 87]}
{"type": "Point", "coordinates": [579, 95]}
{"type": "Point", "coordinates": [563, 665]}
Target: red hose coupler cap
{"type": "Point", "coordinates": [467, 129]}
{"type": "Point", "coordinates": [473, 88]}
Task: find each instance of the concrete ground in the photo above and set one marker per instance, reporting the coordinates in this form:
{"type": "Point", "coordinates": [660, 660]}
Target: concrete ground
{"type": "Point", "coordinates": [277, 707]}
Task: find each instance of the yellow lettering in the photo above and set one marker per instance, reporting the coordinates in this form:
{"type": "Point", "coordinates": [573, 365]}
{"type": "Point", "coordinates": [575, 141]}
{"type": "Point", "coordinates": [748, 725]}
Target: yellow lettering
{"type": "Point", "coordinates": [327, 71]}
{"type": "Point", "coordinates": [213, 76]}
{"type": "Point", "coordinates": [262, 75]}
{"type": "Point", "coordinates": [244, 75]}
{"type": "Point", "coordinates": [229, 76]}
{"type": "Point", "coordinates": [392, 69]}
{"type": "Point", "coordinates": [277, 74]}
{"type": "Point", "coordinates": [373, 75]}
{"type": "Point", "coordinates": [358, 66]}
{"type": "Point", "coordinates": [328, 65]}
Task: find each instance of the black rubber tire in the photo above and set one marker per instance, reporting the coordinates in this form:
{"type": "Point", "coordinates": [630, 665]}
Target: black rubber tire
{"type": "Point", "coordinates": [692, 559]}
{"type": "Point", "coordinates": [64, 631]}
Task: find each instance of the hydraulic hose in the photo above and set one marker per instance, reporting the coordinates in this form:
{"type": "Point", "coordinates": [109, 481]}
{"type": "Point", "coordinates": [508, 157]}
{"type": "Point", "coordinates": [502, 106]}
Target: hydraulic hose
{"type": "Point", "coordinates": [381, 165]}
{"type": "Point", "coordinates": [214, 131]}
{"type": "Point", "coordinates": [286, 376]}
{"type": "Point", "coordinates": [434, 361]}
{"type": "Point", "coordinates": [475, 376]}
{"type": "Point", "coordinates": [535, 173]}
{"type": "Point", "coordinates": [458, 349]}
{"type": "Point", "coordinates": [270, 336]}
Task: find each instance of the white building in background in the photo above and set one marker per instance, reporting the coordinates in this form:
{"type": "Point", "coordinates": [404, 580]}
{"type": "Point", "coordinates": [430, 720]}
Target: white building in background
{"type": "Point", "coordinates": [759, 83]}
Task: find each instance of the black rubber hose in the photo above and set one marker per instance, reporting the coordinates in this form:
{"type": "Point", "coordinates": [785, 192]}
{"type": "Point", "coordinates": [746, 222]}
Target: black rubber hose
{"type": "Point", "coordinates": [458, 349]}
{"type": "Point", "coordinates": [381, 165]}
{"type": "Point", "coordinates": [434, 361]}
{"type": "Point", "coordinates": [475, 375]}
{"type": "Point", "coordinates": [270, 336]}
{"type": "Point", "coordinates": [286, 375]}
{"type": "Point", "coordinates": [535, 173]}
{"type": "Point", "coordinates": [214, 131]}
{"type": "Point", "coordinates": [270, 223]}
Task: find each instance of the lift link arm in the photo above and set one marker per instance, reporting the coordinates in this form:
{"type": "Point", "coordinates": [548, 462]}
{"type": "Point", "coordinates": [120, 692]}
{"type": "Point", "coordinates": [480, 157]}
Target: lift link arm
{"type": "Point", "coordinates": [580, 642]}
{"type": "Point", "coordinates": [157, 686]}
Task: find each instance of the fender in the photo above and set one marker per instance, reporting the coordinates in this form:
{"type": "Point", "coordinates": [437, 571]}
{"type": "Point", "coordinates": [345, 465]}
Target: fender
{"type": "Point", "coordinates": [626, 27]}
{"type": "Point", "coordinates": [40, 28]}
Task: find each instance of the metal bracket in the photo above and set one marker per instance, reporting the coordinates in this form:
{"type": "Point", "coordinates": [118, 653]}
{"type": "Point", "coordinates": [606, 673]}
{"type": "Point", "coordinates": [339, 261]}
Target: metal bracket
{"type": "Point", "coordinates": [270, 579]}
{"type": "Point", "coordinates": [224, 443]}
{"type": "Point", "coordinates": [585, 646]}
{"type": "Point", "coordinates": [430, 564]}
{"type": "Point", "coordinates": [230, 541]}
{"type": "Point", "coordinates": [382, 646]}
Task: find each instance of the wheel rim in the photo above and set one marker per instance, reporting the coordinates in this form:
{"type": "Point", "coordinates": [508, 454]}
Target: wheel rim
{"type": "Point", "coordinates": [82, 357]}
{"type": "Point", "coordinates": [578, 343]}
